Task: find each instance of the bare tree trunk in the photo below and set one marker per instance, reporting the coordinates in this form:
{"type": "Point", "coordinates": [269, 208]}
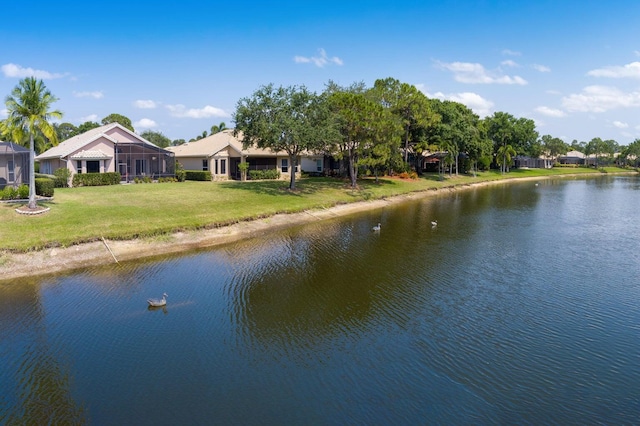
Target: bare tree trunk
{"type": "Point", "coordinates": [292, 178]}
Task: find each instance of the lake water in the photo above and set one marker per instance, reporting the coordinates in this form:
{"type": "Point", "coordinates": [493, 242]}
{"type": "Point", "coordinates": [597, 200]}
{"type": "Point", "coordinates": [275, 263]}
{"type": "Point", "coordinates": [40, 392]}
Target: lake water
{"type": "Point", "coordinates": [520, 307]}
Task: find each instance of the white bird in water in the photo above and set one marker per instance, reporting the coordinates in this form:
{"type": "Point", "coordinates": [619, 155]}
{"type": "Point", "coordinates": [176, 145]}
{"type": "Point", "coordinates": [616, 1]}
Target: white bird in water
{"type": "Point", "coordinates": [376, 228]}
{"type": "Point", "coordinates": [434, 223]}
{"type": "Point", "coordinates": [158, 302]}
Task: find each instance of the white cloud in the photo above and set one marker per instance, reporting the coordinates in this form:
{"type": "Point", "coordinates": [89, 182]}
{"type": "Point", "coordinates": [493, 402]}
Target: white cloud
{"type": "Point", "coordinates": [145, 123]}
{"type": "Point", "coordinates": [91, 117]}
{"type": "Point", "coordinates": [206, 112]}
{"type": "Point", "coordinates": [319, 61]}
{"type": "Point", "coordinates": [620, 124]}
{"type": "Point", "coordinates": [509, 63]}
{"type": "Point", "coordinates": [550, 112]}
{"type": "Point", "coordinates": [600, 99]}
{"type": "Point", "coordinates": [14, 70]}
{"type": "Point", "coordinates": [631, 70]}
{"type": "Point", "coordinates": [479, 105]}
{"type": "Point", "coordinates": [511, 52]}
{"type": "Point", "coordinates": [145, 104]}
{"type": "Point", "coordinates": [467, 72]}
{"type": "Point", "coordinates": [4, 112]}
{"type": "Point", "coordinates": [541, 68]}
{"type": "Point", "coordinates": [94, 95]}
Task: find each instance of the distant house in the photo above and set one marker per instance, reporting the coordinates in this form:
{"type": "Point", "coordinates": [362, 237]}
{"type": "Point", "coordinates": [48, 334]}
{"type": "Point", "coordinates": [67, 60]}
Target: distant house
{"type": "Point", "coordinates": [572, 157]}
{"type": "Point", "coordinates": [14, 164]}
{"type": "Point", "coordinates": [222, 152]}
{"type": "Point", "coordinates": [109, 148]}
{"type": "Point", "coordinates": [527, 162]}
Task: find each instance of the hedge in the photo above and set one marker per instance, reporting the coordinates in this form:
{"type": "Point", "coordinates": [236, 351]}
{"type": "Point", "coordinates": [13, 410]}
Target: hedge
{"type": "Point", "coordinates": [44, 187]}
{"type": "Point", "coordinates": [96, 179]}
{"type": "Point", "coordinates": [203, 175]}
{"type": "Point", "coordinates": [264, 174]}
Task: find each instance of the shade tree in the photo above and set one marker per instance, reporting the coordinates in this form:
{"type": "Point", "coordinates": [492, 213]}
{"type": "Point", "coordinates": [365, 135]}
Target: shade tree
{"type": "Point", "coordinates": [290, 119]}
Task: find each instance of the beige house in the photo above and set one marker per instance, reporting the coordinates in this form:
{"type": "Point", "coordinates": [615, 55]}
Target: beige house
{"type": "Point", "coordinates": [221, 153]}
{"type": "Point", "coordinates": [109, 148]}
{"type": "Point", "coordinates": [14, 164]}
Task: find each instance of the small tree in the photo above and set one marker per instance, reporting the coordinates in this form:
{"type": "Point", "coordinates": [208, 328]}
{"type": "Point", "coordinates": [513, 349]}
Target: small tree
{"type": "Point", "coordinates": [243, 167]}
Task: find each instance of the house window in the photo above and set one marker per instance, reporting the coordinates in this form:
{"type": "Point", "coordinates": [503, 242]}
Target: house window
{"type": "Point", "coordinates": [79, 166]}
{"type": "Point", "coordinates": [205, 165]}
{"type": "Point", "coordinates": [215, 166]}
{"type": "Point", "coordinates": [318, 165]}
{"type": "Point", "coordinates": [93, 166]}
{"type": "Point", "coordinates": [284, 165]}
{"type": "Point", "coordinates": [223, 167]}
{"type": "Point", "coordinates": [12, 173]}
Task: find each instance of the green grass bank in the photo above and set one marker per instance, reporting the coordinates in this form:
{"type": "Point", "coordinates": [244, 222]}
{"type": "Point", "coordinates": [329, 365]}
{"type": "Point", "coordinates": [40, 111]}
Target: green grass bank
{"type": "Point", "coordinates": [124, 212]}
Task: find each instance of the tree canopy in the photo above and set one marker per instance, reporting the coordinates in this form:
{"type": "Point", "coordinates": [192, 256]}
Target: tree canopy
{"type": "Point", "coordinates": [118, 118]}
{"type": "Point", "coordinates": [156, 138]}
{"type": "Point", "coordinates": [290, 119]}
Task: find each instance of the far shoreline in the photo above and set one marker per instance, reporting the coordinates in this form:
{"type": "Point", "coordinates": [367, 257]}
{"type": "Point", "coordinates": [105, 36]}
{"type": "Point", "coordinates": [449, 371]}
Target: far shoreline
{"type": "Point", "coordinates": [104, 252]}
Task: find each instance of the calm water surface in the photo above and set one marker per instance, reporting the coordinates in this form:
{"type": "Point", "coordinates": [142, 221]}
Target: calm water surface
{"type": "Point", "coordinates": [520, 307]}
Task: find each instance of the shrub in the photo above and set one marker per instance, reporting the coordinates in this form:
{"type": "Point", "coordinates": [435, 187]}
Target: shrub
{"type": "Point", "coordinates": [181, 175]}
{"type": "Point", "coordinates": [202, 175]}
{"type": "Point", "coordinates": [96, 179]}
{"type": "Point", "coordinates": [22, 193]}
{"type": "Point", "coordinates": [8, 193]}
{"type": "Point", "coordinates": [264, 174]}
{"type": "Point", "coordinates": [167, 179]}
{"type": "Point", "coordinates": [44, 187]}
{"type": "Point", "coordinates": [61, 177]}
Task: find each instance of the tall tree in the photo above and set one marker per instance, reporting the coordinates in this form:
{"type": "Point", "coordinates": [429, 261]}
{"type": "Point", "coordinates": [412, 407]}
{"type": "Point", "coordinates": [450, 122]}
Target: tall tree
{"type": "Point", "coordinates": [409, 105]}
{"type": "Point", "coordinates": [519, 134]}
{"type": "Point", "coordinates": [65, 131]}
{"type": "Point", "coordinates": [554, 146]}
{"type": "Point", "coordinates": [86, 126]}
{"type": "Point", "coordinates": [631, 153]}
{"type": "Point", "coordinates": [156, 138]}
{"type": "Point", "coordinates": [290, 119]}
{"type": "Point", "coordinates": [365, 128]}
{"type": "Point", "coordinates": [29, 113]}
{"type": "Point", "coordinates": [118, 118]}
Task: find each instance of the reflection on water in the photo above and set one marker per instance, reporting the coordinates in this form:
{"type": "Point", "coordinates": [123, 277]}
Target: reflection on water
{"type": "Point", "coordinates": [519, 307]}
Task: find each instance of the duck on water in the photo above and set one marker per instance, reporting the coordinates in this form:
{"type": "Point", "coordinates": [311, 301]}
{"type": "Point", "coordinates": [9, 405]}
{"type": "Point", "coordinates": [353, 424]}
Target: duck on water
{"type": "Point", "coordinates": [158, 302]}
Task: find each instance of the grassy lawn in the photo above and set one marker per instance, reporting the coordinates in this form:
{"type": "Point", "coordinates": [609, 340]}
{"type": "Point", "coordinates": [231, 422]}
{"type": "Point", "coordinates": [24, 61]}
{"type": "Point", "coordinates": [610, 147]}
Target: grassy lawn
{"type": "Point", "coordinates": [145, 210]}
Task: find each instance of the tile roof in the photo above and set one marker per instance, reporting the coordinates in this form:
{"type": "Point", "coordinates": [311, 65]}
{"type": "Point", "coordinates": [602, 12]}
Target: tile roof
{"type": "Point", "coordinates": [211, 145]}
{"type": "Point", "coordinates": [91, 155]}
{"type": "Point", "coordinates": [75, 143]}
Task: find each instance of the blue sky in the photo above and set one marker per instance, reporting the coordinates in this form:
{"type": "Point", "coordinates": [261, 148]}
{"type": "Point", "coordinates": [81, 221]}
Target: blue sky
{"type": "Point", "coordinates": [181, 67]}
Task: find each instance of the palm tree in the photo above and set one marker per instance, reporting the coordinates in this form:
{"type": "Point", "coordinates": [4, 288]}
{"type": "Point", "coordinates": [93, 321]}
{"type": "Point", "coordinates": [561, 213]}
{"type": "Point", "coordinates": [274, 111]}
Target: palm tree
{"type": "Point", "coordinates": [28, 114]}
{"type": "Point", "coordinates": [504, 154]}
{"type": "Point", "coordinates": [216, 128]}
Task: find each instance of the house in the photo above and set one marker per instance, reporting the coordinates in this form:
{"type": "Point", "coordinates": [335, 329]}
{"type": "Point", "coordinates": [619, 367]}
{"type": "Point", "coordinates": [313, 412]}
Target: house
{"type": "Point", "coordinates": [222, 152]}
{"type": "Point", "coordinates": [14, 164]}
{"type": "Point", "coordinates": [109, 148]}
{"type": "Point", "coordinates": [527, 162]}
{"type": "Point", "coordinates": [572, 157]}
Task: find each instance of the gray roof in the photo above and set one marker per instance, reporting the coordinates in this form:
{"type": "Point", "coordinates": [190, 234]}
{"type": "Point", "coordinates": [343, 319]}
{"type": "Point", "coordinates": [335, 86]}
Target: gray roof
{"type": "Point", "coordinates": [12, 148]}
{"type": "Point", "coordinates": [76, 143]}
